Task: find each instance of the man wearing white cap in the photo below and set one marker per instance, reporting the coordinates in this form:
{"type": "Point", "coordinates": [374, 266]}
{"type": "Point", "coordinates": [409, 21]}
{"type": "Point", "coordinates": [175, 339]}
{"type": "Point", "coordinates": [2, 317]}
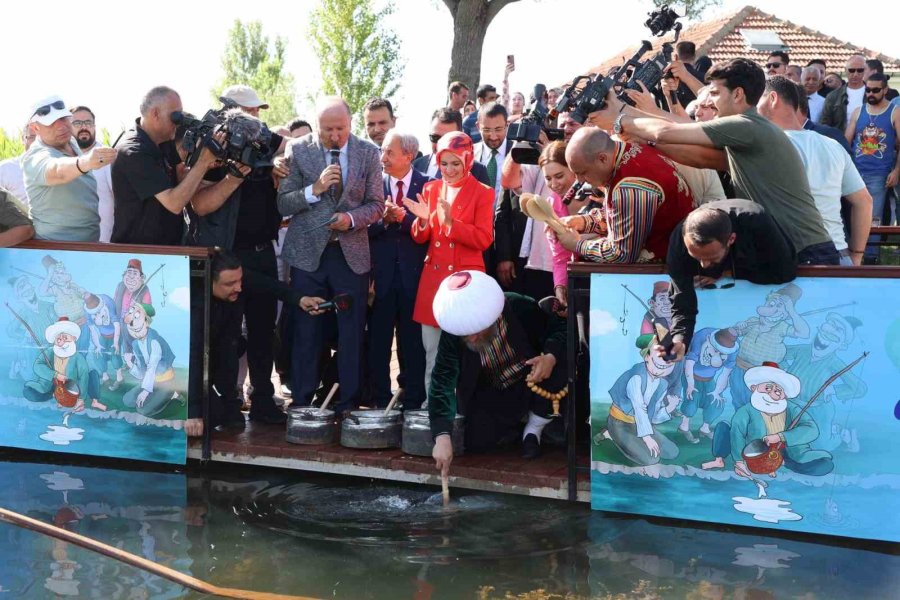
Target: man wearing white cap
{"type": "Point", "coordinates": [493, 345]}
{"type": "Point", "coordinates": [246, 222]}
{"type": "Point", "coordinates": [61, 189]}
{"type": "Point", "coordinates": [768, 417]}
{"type": "Point", "coordinates": [69, 367]}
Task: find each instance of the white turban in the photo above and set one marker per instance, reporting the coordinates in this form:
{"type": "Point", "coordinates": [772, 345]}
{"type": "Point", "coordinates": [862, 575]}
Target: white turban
{"type": "Point", "coordinates": [468, 302]}
{"type": "Point", "coordinates": [64, 325]}
{"type": "Point", "coordinates": [769, 372]}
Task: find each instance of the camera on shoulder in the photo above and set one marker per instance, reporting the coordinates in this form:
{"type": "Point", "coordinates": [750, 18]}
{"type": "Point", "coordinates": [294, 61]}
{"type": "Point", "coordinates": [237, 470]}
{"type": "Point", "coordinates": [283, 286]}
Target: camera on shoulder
{"type": "Point", "coordinates": [247, 139]}
{"type": "Point", "coordinates": [525, 133]}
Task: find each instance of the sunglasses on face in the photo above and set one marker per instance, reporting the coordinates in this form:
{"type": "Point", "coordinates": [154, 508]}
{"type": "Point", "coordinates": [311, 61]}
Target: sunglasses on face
{"type": "Point", "coordinates": [435, 138]}
{"type": "Point", "coordinates": [874, 90]}
{"type": "Point", "coordinates": [855, 70]}
{"type": "Point", "coordinates": [773, 65]}
{"type": "Point", "coordinates": [45, 110]}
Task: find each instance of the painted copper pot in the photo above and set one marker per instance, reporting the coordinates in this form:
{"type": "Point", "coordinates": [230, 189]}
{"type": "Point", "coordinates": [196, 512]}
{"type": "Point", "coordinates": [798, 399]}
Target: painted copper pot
{"type": "Point", "coordinates": [762, 458]}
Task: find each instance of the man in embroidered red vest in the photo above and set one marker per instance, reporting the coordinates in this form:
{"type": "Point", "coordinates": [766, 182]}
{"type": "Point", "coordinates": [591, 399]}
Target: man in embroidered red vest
{"type": "Point", "coordinates": [646, 199]}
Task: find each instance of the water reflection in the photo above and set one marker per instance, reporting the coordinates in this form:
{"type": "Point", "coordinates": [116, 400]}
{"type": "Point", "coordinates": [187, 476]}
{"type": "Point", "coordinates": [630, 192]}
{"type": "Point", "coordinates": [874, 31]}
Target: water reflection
{"type": "Point", "coordinates": [330, 537]}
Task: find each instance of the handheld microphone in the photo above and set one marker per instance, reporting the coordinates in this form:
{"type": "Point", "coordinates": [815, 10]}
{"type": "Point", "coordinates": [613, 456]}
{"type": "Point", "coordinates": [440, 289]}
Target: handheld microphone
{"type": "Point", "coordinates": [339, 303]}
{"type": "Point", "coordinates": [335, 160]}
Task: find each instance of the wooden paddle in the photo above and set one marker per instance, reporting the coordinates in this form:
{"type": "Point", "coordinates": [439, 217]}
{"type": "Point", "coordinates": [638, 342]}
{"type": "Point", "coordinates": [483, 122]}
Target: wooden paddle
{"type": "Point", "coordinates": [328, 398]}
{"type": "Point", "coordinates": [136, 561]}
{"type": "Point", "coordinates": [393, 401]}
{"type": "Point", "coordinates": [445, 489]}
{"type": "Point", "coordinates": [540, 210]}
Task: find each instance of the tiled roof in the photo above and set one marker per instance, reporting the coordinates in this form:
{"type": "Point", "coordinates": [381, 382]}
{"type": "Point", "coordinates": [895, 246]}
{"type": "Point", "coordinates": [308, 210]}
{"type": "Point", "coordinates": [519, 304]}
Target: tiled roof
{"type": "Point", "coordinates": [721, 39]}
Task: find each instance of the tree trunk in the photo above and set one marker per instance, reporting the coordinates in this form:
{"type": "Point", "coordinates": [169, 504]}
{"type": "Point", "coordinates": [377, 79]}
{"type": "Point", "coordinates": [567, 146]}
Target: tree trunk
{"type": "Point", "coordinates": [471, 19]}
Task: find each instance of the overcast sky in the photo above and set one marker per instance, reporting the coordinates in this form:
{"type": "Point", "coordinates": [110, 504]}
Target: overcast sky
{"type": "Point", "coordinates": [109, 56]}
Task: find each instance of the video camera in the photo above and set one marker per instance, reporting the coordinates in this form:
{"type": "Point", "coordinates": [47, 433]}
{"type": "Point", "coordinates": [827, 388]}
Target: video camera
{"type": "Point", "coordinates": [247, 139]}
{"type": "Point", "coordinates": [526, 132]}
{"type": "Point", "coordinates": [587, 94]}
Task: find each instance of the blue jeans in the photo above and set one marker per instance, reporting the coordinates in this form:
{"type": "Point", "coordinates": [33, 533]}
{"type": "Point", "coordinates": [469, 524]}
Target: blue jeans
{"type": "Point", "coordinates": [878, 190]}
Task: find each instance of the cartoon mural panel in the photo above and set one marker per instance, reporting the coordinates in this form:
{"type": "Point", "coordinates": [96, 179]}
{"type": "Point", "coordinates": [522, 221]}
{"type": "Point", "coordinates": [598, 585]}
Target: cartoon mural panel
{"type": "Point", "coordinates": [782, 414]}
{"type": "Point", "coordinates": [92, 365]}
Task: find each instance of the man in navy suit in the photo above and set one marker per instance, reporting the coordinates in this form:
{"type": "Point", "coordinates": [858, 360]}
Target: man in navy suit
{"type": "Point", "coordinates": [445, 120]}
{"type": "Point", "coordinates": [397, 262]}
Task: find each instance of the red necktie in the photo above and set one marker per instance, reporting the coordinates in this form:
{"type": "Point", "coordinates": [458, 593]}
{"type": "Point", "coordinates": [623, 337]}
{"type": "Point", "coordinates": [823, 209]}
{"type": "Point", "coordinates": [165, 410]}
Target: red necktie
{"type": "Point", "coordinates": [399, 200]}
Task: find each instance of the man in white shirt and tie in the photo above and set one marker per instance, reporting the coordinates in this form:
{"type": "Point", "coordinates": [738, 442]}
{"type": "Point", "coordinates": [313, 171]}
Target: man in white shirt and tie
{"type": "Point", "coordinates": [493, 147]}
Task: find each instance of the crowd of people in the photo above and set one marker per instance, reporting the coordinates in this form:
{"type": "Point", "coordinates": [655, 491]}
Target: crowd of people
{"type": "Point", "coordinates": [729, 169]}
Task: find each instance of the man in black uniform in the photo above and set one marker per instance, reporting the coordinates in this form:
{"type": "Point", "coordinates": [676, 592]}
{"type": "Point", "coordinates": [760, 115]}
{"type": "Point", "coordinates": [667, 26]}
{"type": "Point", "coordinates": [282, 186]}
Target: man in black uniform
{"type": "Point", "coordinates": [246, 222]}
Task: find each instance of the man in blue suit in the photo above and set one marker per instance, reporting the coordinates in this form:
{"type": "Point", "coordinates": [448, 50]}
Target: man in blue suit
{"type": "Point", "coordinates": [445, 120]}
{"type": "Point", "coordinates": [397, 262]}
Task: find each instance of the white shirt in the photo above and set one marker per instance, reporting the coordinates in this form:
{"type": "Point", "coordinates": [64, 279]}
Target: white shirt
{"type": "Point", "coordinates": [483, 155]}
{"type": "Point", "coordinates": [107, 204]}
{"type": "Point", "coordinates": [432, 167]}
{"type": "Point", "coordinates": [854, 100]}
{"type": "Point", "coordinates": [12, 180]}
{"type": "Point", "coordinates": [704, 183]}
{"type": "Point", "coordinates": [831, 174]}
{"type": "Point", "coordinates": [640, 401]}
{"type": "Point", "coordinates": [816, 104]}
{"type": "Point", "coordinates": [535, 246]}
{"type": "Point", "coordinates": [407, 179]}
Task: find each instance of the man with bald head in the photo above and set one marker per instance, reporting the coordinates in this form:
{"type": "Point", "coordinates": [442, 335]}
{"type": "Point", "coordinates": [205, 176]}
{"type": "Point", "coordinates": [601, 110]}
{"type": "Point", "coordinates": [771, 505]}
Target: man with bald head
{"type": "Point", "coordinates": [333, 193]}
{"type": "Point", "coordinates": [151, 204]}
{"type": "Point", "coordinates": [647, 198]}
{"type": "Point", "coordinates": [841, 103]}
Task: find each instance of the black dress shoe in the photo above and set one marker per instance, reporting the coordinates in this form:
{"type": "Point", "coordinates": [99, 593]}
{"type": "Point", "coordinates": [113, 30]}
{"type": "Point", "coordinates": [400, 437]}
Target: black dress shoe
{"type": "Point", "coordinates": [531, 447]}
{"type": "Point", "coordinates": [273, 416]}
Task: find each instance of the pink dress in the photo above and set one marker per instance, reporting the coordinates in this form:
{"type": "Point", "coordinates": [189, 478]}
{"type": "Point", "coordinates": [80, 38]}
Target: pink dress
{"type": "Point", "coordinates": [561, 256]}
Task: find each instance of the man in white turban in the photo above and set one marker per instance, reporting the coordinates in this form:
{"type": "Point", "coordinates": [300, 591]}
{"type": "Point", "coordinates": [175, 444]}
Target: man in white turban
{"type": "Point", "coordinates": [493, 347]}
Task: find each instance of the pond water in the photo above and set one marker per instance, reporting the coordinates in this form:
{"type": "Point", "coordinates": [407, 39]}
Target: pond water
{"type": "Point", "coordinates": [330, 537]}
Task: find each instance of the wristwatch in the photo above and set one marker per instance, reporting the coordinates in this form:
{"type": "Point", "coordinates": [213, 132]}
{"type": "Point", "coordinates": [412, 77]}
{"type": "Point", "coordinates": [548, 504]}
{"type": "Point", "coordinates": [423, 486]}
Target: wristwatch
{"type": "Point", "coordinates": [617, 126]}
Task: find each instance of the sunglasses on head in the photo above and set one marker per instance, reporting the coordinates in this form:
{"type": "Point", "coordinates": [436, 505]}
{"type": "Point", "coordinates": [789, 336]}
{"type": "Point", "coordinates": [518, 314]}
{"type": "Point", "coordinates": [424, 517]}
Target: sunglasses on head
{"type": "Point", "coordinates": [874, 90]}
{"type": "Point", "coordinates": [855, 70]}
{"type": "Point", "coordinates": [773, 65]}
{"type": "Point", "coordinates": [45, 110]}
{"type": "Point", "coordinates": [435, 138]}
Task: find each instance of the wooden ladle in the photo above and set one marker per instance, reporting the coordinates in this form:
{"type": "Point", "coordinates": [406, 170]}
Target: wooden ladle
{"type": "Point", "coordinates": [540, 210]}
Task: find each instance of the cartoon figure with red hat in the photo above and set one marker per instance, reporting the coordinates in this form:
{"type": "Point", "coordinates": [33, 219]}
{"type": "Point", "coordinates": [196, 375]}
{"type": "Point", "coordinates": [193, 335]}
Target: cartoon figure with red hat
{"type": "Point", "coordinates": [132, 285]}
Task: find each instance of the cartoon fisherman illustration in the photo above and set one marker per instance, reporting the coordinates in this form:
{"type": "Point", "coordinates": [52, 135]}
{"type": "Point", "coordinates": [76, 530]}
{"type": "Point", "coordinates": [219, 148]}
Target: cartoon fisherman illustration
{"type": "Point", "coordinates": [37, 314]}
{"type": "Point", "coordinates": [813, 364]}
{"type": "Point", "coordinates": [707, 369]}
{"type": "Point", "coordinates": [66, 375]}
{"type": "Point", "coordinates": [105, 331]}
{"type": "Point", "coordinates": [640, 400]}
{"type": "Point", "coordinates": [660, 308]}
{"type": "Point", "coordinates": [67, 296]}
{"type": "Point", "coordinates": [773, 417]}
{"type": "Point", "coordinates": [762, 337]}
{"type": "Point", "coordinates": [150, 361]}
{"type": "Point", "coordinates": [132, 284]}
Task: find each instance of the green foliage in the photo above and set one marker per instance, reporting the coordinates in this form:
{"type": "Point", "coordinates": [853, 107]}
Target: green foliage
{"type": "Point", "coordinates": [692, 9]}
{"type": "Point", "coordinates": [10, 145]}
{"type": "Point", "coordinates": [358, 58]}
{"type": "Point", "coordinates": [251, 59]}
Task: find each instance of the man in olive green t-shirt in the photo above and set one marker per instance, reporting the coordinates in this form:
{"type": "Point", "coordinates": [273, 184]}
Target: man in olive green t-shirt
{"type": "Point", "coordinates": [765, 167]}
{"type": "Point", "coordinates": [15, 226]}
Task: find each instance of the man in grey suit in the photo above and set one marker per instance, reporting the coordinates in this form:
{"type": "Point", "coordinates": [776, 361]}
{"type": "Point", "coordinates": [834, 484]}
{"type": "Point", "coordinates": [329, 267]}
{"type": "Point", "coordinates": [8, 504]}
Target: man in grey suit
{"type": "Point", "coordinates": [333, 193]}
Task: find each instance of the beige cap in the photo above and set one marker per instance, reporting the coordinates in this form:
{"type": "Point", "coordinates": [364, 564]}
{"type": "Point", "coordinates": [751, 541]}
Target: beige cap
{"type": "Point", "coordinates": [244, 95]}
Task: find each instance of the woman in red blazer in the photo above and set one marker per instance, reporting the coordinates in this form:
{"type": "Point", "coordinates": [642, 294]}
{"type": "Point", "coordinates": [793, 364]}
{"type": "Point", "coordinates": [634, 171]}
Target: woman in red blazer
{"type": "Point", "coordinates": [455, 215]}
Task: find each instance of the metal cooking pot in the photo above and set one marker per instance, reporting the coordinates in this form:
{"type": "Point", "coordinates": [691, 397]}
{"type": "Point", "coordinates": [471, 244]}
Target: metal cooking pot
{"type": "Point", "coordinates": [372, 429]}
{"type": "Point", "coordinates": [310, 426]}
{"type": "Point", "coordinates": [762, 458]}
{"type": "Point", "coordinates": [417, 438]}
